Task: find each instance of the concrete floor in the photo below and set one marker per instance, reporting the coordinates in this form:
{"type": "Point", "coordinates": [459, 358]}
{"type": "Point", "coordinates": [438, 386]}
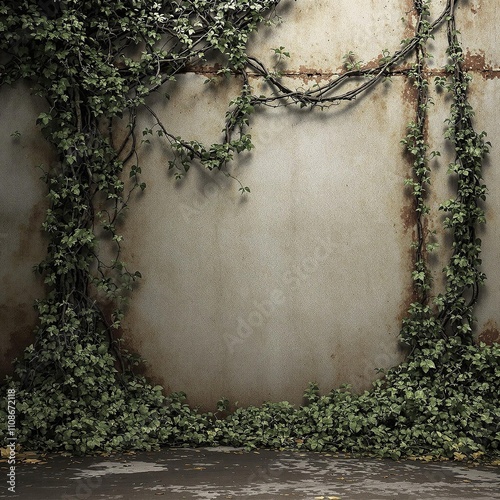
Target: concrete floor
{"type": "Point", "coordinates": [224, 473]}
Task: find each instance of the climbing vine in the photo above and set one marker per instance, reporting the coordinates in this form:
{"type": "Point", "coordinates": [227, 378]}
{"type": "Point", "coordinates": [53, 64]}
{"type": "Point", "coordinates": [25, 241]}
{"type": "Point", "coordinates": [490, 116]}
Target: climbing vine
{"type": "Point", "coordinates": [95, 63]}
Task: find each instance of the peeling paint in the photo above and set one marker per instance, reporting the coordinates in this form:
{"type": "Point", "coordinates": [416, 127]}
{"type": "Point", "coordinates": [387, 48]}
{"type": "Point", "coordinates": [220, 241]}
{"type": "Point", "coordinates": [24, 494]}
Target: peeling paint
{"type": "Point", "coordinates": [476, 62]}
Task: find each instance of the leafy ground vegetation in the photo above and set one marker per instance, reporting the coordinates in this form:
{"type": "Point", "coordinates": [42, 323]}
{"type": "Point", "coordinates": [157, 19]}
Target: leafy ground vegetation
{"type": "Point", "coordinates": [95, 62]}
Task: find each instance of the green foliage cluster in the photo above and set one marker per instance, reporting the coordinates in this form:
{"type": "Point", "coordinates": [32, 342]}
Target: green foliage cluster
{"type": "Point", "coordinates": [95, 63]}
{"type": "Point", "coordinates": [441, 402]}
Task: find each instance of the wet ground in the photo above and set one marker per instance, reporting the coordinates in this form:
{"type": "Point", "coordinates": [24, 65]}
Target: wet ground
{"type": "Point", "coordinates": [225, 473]}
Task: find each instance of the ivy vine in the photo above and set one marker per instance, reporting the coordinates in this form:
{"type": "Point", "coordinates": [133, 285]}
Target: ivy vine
{"type": "Point", "coordinates": [95, 63]}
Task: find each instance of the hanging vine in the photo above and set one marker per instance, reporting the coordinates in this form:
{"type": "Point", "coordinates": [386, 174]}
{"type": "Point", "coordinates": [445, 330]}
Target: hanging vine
{"type": "Point", "coordinates": [95, 63]}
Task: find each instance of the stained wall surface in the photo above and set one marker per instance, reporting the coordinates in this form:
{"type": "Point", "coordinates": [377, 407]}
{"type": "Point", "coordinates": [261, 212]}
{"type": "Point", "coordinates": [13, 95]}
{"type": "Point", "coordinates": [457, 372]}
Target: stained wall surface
{"type": "Point", "coordinates": [22, 208]}
{"type": "Point", "coordinates": [306, 278]}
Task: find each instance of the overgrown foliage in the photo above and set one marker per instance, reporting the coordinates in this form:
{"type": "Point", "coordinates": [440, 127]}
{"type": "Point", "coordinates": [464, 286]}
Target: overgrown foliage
{"type": "Point", "coordinates": [95, 62]}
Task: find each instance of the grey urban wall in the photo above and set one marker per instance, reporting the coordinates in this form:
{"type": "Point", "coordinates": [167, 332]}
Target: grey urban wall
{"type": "Point", "coordinates": [308, 277]}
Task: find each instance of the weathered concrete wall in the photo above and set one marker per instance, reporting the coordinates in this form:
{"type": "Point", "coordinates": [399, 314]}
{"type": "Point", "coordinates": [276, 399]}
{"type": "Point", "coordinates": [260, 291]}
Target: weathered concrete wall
{"type": "Point", "coordinates": [22, 208]}
{"type": "Point", "coordinates": [307, 278]}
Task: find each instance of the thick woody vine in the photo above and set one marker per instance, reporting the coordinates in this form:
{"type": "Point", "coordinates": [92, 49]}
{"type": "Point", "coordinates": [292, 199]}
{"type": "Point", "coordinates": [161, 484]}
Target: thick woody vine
{"type": "Point", "coordinates": [95, 63]}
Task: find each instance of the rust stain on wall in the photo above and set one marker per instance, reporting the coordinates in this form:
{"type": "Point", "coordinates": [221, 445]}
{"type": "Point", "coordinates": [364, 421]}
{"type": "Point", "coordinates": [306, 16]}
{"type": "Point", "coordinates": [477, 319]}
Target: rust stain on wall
{"type": "Point", "coordinates": [476, 61]}
{"type": "Point", "coordinates": [203, 69]}
{"type": "Point", "coordinates": [410, 93]}
{"type": "Point", "coordinates": [308, 74]}
{"type": "Point", "coordinates": [408, 217]}
{"type": "Point", "coordinates": [490, 333]}
{"type": "Point", "coordinates": [410, 16]}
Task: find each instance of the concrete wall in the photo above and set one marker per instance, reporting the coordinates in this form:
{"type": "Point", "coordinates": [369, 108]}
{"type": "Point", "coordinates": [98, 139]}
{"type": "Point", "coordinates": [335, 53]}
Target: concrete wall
{"type": "Point", "coordinates": [307, 278]}
{"type": "Point", "coordinates": [22, 208]}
